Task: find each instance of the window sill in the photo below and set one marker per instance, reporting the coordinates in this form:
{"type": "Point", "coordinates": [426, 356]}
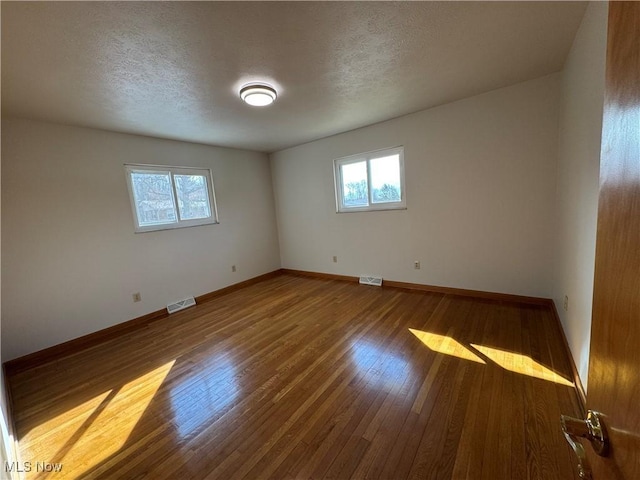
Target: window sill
{"type": "Point", "coordinates": [372, 209]}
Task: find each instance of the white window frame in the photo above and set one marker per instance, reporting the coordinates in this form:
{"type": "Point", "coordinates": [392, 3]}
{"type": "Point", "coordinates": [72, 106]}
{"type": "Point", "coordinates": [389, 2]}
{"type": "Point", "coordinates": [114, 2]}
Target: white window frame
{"type": "Point", "coordinates": [179, 223]}
{"type": "Point", "coordinates": [367, 157]}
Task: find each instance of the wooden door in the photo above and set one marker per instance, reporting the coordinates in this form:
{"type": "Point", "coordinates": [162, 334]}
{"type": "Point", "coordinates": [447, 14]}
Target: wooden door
{"type": "Point", "coordinates": [614, 368]}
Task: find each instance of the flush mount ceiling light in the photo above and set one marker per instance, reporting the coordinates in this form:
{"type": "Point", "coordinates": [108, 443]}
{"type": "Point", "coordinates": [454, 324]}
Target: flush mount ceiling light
{"type": "Point", "coordinates": [258, 94]}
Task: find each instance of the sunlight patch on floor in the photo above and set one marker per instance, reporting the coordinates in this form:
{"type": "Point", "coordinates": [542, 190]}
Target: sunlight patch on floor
{"type": "Point", "coordinates": [76, 438]}
{"type": "Point", "coordinates": [446, 345]}
{"type": "Point", "coordinates": [60, 429]}
{"type": "Point", "coordinates": [523, 364]}
{"type": "Point", "coordinates": [513, 362]}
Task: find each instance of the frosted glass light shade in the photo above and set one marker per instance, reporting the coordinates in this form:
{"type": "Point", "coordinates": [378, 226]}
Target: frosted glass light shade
{"type": "Point", "coordinates": [258, 95]}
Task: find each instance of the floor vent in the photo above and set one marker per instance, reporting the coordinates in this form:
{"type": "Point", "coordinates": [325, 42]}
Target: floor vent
{"type": "Point", "coordinates": [181, 305]}
{"type": "Point", "coordinates": [367, 280]}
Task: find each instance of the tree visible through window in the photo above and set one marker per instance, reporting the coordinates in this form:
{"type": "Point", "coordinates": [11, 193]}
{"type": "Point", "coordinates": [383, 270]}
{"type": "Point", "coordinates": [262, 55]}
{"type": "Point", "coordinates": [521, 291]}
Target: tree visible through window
{"type": "Point", "coordinates": [193, 198]}
{"type": "Point", "coordinates": [372, 181]}
{"type": "Point", "coordinates": [170, 197]}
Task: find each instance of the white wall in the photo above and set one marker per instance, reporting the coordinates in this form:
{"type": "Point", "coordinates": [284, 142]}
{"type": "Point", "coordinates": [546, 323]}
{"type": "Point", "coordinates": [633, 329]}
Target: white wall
{"type": "Point", "coordinates": [480, 181]}
{"type": "Point", "coordinates": [70, 257]}
{"type": "Point", "coordinates": [6, 441]}
{"type": "Point", "coordinates": [578, 172]}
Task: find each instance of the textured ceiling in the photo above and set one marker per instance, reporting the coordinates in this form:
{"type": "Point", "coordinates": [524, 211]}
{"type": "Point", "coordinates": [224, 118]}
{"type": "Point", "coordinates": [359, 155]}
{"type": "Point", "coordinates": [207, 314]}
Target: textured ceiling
{"type": "Point", "coordinates": [173, 69]}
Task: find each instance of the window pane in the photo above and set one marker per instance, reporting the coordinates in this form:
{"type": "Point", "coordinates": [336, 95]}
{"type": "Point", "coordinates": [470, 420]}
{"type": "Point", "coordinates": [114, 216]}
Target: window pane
{"type": "Point", "coordinates": [354, 184]}
{"type": "Point", "coordinates": [193, 196]}
{"type": "Point", "coordinates": [154, 198]}
{"type": "Point", "coordinates": [385, 179]}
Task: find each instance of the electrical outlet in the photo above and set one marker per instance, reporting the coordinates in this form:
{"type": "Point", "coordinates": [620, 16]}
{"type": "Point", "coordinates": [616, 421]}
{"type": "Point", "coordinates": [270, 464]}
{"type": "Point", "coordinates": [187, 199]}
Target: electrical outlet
{"type": "Point", "coordinates": [416, 265]}
{"type": "Point", "coordinates": [335, 259]}
{"type": "Point", "coordinates": [233, 268]}
{"type": "Point", "coordinates": [566, 303]}
{"type": "Point", "coordinates": [137, 297]}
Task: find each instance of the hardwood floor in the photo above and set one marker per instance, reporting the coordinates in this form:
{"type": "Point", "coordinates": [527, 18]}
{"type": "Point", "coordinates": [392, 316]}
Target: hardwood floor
{"type": "Point", "coordinates": [298, 378]}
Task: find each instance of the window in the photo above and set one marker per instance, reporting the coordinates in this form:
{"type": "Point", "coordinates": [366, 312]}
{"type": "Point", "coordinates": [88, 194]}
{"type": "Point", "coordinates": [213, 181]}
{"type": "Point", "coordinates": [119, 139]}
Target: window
{"type": "Point", "coordinates": [370, 181]}
{"type": "Point", "coordinates": [170, 197]}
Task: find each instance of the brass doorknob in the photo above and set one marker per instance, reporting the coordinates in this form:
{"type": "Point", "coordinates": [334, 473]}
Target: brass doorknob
{"type": "Point", "coordinates": [593, 430]}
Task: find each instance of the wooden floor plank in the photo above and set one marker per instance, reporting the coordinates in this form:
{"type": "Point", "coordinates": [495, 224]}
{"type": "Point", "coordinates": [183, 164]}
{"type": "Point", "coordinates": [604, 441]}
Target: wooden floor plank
{"type": "Point", "coordinates": [298, 377]}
